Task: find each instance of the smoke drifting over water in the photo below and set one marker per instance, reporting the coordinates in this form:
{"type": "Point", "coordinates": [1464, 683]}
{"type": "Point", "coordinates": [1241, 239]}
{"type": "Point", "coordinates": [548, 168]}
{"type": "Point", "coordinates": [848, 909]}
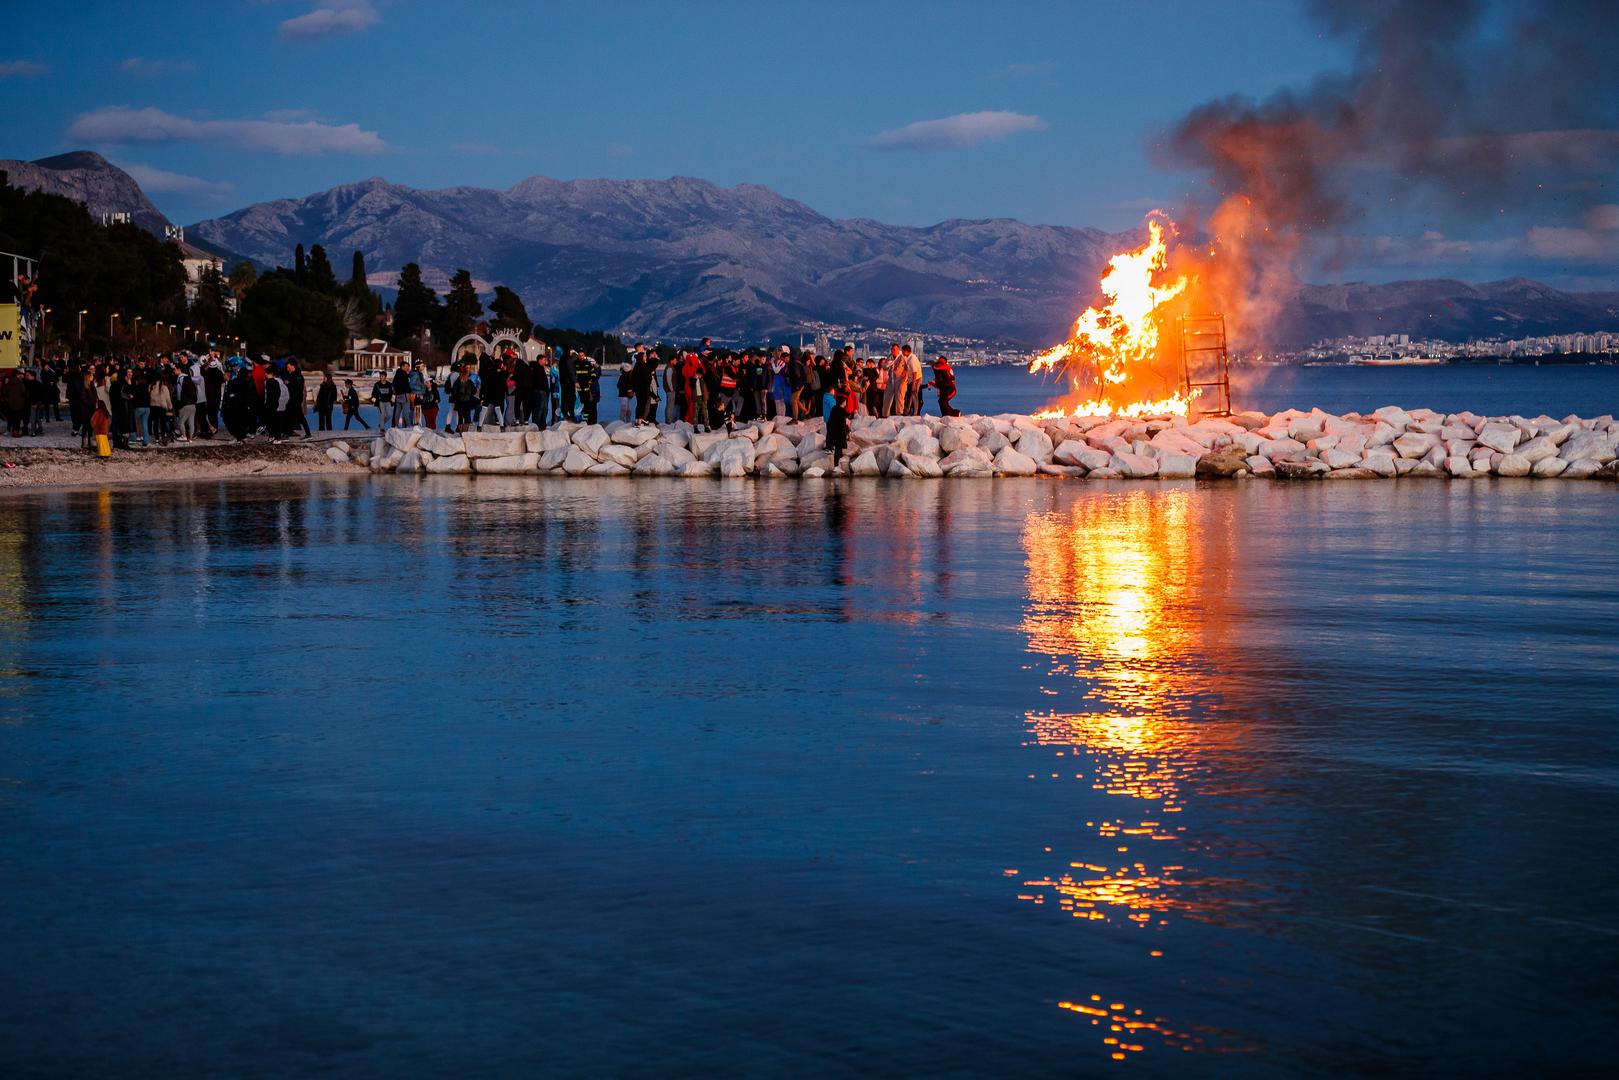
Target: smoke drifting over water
{"type": "Point", "coordinates": [1496, 115]}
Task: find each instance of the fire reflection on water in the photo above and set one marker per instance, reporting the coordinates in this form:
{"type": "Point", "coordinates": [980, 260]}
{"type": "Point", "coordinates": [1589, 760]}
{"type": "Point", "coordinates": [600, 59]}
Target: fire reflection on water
{"type": "Point", "coordinates": [1125, 593]}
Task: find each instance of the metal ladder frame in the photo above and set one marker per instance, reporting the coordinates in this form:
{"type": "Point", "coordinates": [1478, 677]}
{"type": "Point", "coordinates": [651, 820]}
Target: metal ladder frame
{"type": "Point", "coordinates": [1203, 354]}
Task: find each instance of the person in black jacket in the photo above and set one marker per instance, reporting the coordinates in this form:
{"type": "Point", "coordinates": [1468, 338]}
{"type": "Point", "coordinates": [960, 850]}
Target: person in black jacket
{"type": "Point", "coordinates": [644, 380]}
{"type": "Point", "coordinates": [522, 396]}
{"type": "Point", "coordinates": [569, 382]}
{"type": "Point", "coordinates": [402, 396]}
{"type": "Point", "coordinates": [540, 389]}
{"type": "Point", "coordinates": [186, 417]}
{"type": "Point", "coordinates": [213, 391]}
{"type": "Point", "coordinates": [590, 391]}
{"type": "Point", "coordinates": [491, 392]}
{"type": "Point", "coordinates": [239, 404]}
{"type": "Point", "coordinates": [382, 396]}
{"type": "Point", "coordinates": [297, 400]}
{"type": "Point", "coordinates": [837, 430]}
{"type": "Point", "coordinates": [351, 406]}
{"type": "Point", "coordinates": [325, 402]}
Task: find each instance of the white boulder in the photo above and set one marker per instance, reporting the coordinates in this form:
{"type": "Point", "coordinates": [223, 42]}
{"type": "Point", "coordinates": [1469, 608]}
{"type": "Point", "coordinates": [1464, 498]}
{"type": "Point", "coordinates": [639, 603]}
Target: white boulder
{"type": "Point", "coordinates": [507, 466]}
{"type": "Point", "coordinates": [591, 438]}
{"type": "Point", "coordinates": [1499, 437]}
{"type": "Point", "coordinates": [1134, 466]}
{"type": "Point", "coordinates": [543, 442]}
{"type": "Point", "coordinates": [453, 463]}
{"type": "Point", "coordinates": [1538, 449]}
{"type": "Point", "coordinates": [1177, 466]}
{"type": "Point", "coordinates": [402, 439]}
{"type": "Point", "coordinates": [493, 444]}
{"type": "Point", "coordinates": [576, 462]}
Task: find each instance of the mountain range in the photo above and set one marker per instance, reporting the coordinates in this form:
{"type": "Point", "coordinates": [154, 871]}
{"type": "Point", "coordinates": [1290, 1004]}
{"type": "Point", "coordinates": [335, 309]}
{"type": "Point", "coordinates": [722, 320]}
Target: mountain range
{"type": "Point", "coordinates": [684, 258]}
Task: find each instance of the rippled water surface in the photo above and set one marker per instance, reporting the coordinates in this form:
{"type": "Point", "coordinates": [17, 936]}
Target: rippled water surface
{"type": "Point", "coordinates": [396, 777]}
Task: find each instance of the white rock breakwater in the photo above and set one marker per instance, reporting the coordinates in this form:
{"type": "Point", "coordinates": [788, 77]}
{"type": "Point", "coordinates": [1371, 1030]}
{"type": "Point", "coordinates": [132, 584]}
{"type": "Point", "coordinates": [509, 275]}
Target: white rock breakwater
{"type": "Point", "coordinates": [1388, 443]}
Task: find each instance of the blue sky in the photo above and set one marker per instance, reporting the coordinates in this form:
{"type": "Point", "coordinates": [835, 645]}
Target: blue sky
{"type": "Point", "coordinates": [905, 112]}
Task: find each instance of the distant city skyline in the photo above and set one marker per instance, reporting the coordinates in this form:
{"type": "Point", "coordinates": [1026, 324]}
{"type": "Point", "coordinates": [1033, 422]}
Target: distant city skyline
{"type": "Point", "coordinates": [909, 113]}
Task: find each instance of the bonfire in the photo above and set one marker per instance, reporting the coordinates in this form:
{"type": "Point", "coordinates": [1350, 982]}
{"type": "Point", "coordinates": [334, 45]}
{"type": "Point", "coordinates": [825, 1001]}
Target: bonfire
{"type": "Point", "coordinates": [1115, 361]}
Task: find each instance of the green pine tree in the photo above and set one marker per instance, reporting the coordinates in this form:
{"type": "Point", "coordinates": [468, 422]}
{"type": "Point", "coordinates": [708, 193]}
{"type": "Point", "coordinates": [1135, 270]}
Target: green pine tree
{"type": "Point", "coordinates": [321, 277]}
{"type": "Point", "coordinates": [509, 312]}
{"type": "Point", "coordinates": [416, 306]}
{"type": "Point", "coordinates": [461, 309]}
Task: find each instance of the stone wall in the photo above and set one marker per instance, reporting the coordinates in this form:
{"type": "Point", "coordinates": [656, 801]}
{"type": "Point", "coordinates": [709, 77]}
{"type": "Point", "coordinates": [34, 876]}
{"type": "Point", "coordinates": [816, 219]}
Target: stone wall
{"type": "Point", "coordinates": [1386, 444]}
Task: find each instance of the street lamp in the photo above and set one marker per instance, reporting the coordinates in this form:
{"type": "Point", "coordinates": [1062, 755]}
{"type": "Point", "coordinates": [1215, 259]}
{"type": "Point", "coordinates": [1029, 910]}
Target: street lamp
{"type": "Point", "coordinates": [110, 318]}
{"type": "Point", "coordinates": [82, 313]}
{"type": "Point", "coordinates": [137, 328]}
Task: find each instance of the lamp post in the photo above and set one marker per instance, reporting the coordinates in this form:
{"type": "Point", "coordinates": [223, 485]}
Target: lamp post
{"type": "Point", "coordinates": [82, 313]}
{"type": "Point", "coordinates": [110, 318]}
{"type": "Point", "coordinates": [137, 328]}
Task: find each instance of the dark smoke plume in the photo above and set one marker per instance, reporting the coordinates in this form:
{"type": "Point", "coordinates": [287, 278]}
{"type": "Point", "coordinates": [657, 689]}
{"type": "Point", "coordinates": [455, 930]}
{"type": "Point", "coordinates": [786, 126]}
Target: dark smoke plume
{"type": "Point", "coordinates": [1451, 110]}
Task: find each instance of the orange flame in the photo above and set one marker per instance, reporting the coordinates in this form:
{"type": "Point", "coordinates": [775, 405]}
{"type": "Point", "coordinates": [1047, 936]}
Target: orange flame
{"type": "Point", "coordinates": [1120, 341]}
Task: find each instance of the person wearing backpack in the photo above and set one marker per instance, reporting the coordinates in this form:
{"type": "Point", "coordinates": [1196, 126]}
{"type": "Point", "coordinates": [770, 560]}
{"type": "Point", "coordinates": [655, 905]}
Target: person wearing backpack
{"type": "Point", "coordinates": [351, 406]}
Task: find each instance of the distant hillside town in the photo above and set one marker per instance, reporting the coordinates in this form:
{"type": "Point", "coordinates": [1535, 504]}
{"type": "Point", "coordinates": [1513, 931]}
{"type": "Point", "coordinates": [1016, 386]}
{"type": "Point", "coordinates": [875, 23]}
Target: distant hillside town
{"type": "Point", "coordinates": [1394, 348]}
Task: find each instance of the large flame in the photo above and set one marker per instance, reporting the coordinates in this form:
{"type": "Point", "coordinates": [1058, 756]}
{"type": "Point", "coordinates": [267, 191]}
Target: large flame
{"type": "Point", "coordinates": [1115, 348]}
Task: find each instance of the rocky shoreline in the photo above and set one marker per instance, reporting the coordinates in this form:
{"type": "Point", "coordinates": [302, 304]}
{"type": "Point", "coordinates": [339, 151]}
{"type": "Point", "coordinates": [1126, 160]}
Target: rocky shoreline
{"type": "Point", "coordinates": [1289, 445]}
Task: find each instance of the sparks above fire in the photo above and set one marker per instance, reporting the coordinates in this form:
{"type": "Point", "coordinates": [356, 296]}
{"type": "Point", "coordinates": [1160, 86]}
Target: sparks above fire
{"type": "Point", "coordinates": [1115, 361]}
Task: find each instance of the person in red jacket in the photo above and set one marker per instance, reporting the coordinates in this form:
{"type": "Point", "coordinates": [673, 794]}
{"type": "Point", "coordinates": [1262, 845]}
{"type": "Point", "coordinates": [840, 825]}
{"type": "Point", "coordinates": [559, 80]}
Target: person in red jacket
{"type": "Point", "coordinates": [944, 384]}
{"type": "Point", "coordinates": [691, 370]}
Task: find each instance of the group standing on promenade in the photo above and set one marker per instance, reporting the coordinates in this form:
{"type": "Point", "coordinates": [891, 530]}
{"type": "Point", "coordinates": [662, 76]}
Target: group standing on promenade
{"type": "Point", "coordinates": [172, 398]}
{"type": "Point", "coordinates": [180, 397]}
{"type": "Point", "coordinates": [705, 387]}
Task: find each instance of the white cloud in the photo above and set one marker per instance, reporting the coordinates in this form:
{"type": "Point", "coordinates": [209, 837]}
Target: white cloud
{"type": "Point", "coordinates": [150, 69]}
{"type": "Point", "coordinates": [952, 132]}
{"type": "Point", "coordinates": [21, 69]}
{"type": "Point", "coordinates": [331, 17]}
{"type": "Point", "coordinates": [1596, 241]}
{"type": "Point", "coordinates": [120, 124]}
{"type": "Point", "coordinates": [162, 182]}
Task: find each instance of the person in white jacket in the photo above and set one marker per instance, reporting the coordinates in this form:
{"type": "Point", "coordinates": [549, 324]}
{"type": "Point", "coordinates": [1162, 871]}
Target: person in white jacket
{"type": "Point", "coordinates": [894, 370]}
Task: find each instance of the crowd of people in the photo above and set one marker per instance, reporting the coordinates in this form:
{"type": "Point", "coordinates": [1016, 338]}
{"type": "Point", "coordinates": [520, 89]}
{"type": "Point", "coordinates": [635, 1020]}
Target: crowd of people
{"type": "Point", "coordinates": [705, 387]}
{"type": "Point", "coordinates": [179, 397]}
{"type": "Point", "coordinates": [172, 398]}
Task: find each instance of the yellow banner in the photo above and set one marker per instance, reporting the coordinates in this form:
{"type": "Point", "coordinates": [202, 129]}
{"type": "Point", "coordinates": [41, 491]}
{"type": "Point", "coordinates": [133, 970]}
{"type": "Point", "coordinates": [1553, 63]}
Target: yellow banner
{"type": "Point", "coordinates": [10, 336]}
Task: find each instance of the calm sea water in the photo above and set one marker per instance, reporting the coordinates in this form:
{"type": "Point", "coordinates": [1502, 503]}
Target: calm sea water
{"type": "Point", "coordinates": [1489, 390]}
{"type": "Point", "coordinates": [400, 776]}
